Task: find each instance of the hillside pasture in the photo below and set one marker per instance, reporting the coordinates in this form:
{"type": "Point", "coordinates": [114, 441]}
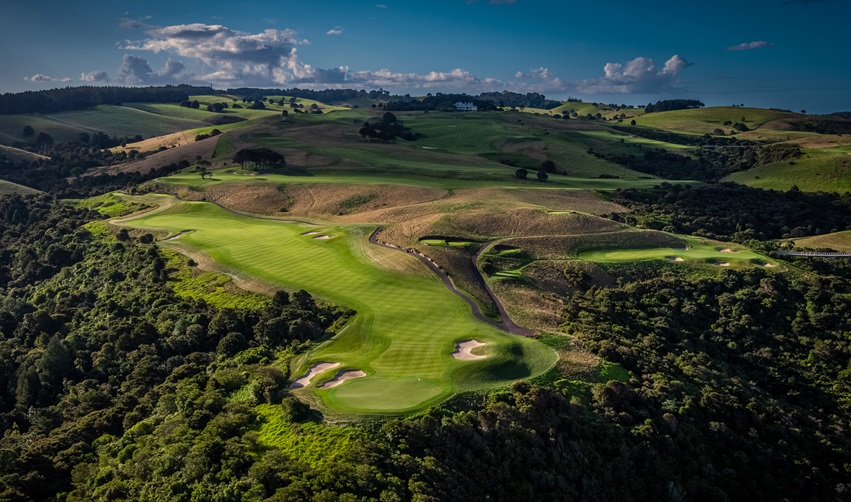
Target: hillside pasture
{"type": "Point", "coordinates": [824, 169]}
{"type": "Point", "coordinates": [706, 120]}
{"type": "Point", "coordinates": [837, 241]}
{"type": "Point", "coordinates": [9, 188]}
{"type": "Point", "coordinates": [406, 325]}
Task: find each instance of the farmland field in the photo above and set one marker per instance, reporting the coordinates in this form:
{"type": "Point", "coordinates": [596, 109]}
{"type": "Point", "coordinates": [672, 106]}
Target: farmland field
{"type": "Point", "coordinates": [406, 325]}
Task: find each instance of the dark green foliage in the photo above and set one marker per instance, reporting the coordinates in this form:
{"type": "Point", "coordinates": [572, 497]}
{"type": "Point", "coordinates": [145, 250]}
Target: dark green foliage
{"type": "Point", "coordinates": [726, 369]}
{"type": "Point", "coordinates": [673, 104]}
{"type": "Point", "coordinates": [93, 342]}
{"type": "Point", "coordinates": [839, 123]}
{"type": "Point", "coordinates": [729, 211]}
{"type": "Point", "coordinates": [81, 98]}
{"type": "Point", "coordinates": [259, 158]}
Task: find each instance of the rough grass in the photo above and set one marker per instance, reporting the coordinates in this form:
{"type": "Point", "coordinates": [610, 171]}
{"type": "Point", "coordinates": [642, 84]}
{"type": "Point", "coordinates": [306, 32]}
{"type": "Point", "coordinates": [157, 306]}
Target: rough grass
{"type": "Point", "coordinates": [313, 444]}
{"type": "Point", "coordinates": [112, 205]}
{"type": "Point", "coordinates": [214, 288]}
{"type": "Point", "coordinates": [406, 326]}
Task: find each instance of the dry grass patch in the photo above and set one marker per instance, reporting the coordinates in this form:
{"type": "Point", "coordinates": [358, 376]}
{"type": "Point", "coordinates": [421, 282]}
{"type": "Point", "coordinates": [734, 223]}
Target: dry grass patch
{"type": "Point", "coordinates": [187, 151]}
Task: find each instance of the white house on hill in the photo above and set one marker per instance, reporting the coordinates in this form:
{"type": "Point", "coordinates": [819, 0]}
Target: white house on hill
{"type": "Point", "coordinates": [466, 107]}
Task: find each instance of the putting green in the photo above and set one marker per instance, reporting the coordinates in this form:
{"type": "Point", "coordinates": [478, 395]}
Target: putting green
{"type": "Point", "coordinates": [406, 326]}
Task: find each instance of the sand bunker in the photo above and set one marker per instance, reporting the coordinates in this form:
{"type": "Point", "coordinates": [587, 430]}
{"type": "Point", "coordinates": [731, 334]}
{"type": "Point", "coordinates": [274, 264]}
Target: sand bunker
{"type": "Point", "coordinates": [312, 372]}
{"type": "Point", "coordinates": [722, 264]}
{"type": "Point", "coordinates": [727, 250]}
{"type": "Point", "coordinates": [769, 265]}
{"type": "Point", "coordinates": [322, 237]}
{"type": "Point", "coordinates": [341, 377]}
{"type": "Point", "coordinates": [310, 233]}
{"type": "Point", "coordinates": [463, 350]}
{"type": "Point", "coordinates": [178, 234]}
{"type": "Point", "coordinates": [674, 258]}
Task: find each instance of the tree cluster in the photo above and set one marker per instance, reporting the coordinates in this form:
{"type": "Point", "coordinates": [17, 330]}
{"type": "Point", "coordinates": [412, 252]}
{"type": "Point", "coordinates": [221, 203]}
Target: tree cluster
{"type": "Point", "coordinates": [672, 104]}
{"type": "Point", "coordinates": [387, 129]}
{"type": "Point", "coordinates": [259, 158]}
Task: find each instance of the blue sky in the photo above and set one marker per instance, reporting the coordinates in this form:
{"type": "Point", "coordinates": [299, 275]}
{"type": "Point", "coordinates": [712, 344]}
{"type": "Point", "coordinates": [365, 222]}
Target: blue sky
{"type": "Point", "coordinates": [773, 53]}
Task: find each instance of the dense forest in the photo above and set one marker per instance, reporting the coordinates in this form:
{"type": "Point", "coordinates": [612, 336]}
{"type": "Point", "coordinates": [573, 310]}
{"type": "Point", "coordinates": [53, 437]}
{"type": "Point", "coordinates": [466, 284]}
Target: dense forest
{"type": "Point", "coordinates": [729, 211]}
{"type": "Point", "coordinates": [672, 104]}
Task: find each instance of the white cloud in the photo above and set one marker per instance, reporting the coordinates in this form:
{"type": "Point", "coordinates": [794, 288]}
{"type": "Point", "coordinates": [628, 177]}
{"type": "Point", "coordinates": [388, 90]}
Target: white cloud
{"type": "Point", "coordinates": [233, 57]}
{"type": "Point", "coordinates": [136, 70]}
{"type": "Point", "coordinates": [41, 77]}
{"type": "Point", "coordinates": [638, 76]}
{"type": "Point", "coordinates": [749, 46]}
{"type": "Point", "coordinates": [94, 76]}
{"type": "Point", "coordinates": [335, 31]}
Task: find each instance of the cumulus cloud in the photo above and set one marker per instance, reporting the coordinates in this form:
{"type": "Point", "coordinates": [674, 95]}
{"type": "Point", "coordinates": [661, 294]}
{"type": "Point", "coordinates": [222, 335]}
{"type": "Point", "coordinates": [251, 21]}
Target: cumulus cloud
{"type": "Point", "coordinates": [749, 46]}
{"type": "Point", "coordinates": [41, 77]}
{"type": "Point", "coordinates": [335, 31]}
{"type": "Point", "coordinates": [94, 76]}
{"type": "Point", "coordinates": [231, 56]}
{"type": "Point", "coordinates": [137, 70]}
{"type": "Point", "coordinates": [639, 75]}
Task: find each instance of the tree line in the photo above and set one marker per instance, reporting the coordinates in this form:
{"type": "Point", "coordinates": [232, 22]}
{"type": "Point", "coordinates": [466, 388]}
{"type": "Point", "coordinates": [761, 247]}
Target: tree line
{"type": "Point", "coordinates": [86, 97]}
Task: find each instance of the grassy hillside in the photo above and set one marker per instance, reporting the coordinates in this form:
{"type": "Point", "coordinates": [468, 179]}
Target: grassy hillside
{"type": "Point", "coordinates": [113, 120]}
{"type": "Point", "coordinates": [827, 169]}
{"type": "Point", "coordinates": [706, 120]}
{"type": "Point", "coordinates": [838, 241]}
{"type": "Point", "coordinates": [7, 187]}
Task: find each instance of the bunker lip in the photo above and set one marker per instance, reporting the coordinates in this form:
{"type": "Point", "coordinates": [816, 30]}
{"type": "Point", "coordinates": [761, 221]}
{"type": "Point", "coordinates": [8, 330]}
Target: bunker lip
{"type": "Point", "coordinates": [727, 250]}
{"type": "Point", "coordinates": [178, 234]}
{"type": "Point", "coordinates": [322, 237]}
{"type": "Point", "coordinates": [310, 233]}
{"type": "Point", "coordinates": [674, 258]}
{"type": "Point", "coordinates": [341, 377]}
{"type": "Point", "coordinates": [464, 350]}
{"type": "Point", "coordinates": [312, 372]}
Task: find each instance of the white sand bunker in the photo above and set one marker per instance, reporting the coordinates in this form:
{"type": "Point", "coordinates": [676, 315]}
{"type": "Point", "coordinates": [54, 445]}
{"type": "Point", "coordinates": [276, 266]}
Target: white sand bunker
{"type": "Point", "coordinates": [674, 258]}
{"type": "Point", "coordinates": [312, 372]}
{"type": "Point", "coordinates": [769, 265]}
{"type": "Point", "coordinates": [310, 233]}
{"type": "Point", "coordinates": [722, 264]}
{"type": "Point", "coordinates": [322, 237]}
{"type": "Point", "coordinates": [727, 250]}
{"type": "Point", "coordinates": [341, 377]}
{"type": "Point", "coordinates": [464, 350]}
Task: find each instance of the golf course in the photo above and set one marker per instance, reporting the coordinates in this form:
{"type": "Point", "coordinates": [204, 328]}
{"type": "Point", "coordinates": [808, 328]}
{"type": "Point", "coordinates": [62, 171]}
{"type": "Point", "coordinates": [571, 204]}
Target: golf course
{"type": "Point", "coordinates": [399, 344]}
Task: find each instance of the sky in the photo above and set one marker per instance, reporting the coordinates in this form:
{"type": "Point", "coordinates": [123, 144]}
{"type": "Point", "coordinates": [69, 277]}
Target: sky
{"type": "Point", "coordinates": [790, 54]}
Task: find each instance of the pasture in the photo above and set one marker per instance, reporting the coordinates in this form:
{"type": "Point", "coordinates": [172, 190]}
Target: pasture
{"type": "Point", "coordinates": [406, 324]}
{"type": "Point", "coordinates": [396, 175]}
{"type": "Point", "coordinates": [825, 169]}
{"type": "Point", "coordinates": [706, 120]}
{"type": "Point", "coordinates": [838, 241]}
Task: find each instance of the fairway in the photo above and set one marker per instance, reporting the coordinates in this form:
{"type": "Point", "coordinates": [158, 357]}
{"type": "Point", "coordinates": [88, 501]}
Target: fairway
{"type": "Point", "coordinates": [406, 326]}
